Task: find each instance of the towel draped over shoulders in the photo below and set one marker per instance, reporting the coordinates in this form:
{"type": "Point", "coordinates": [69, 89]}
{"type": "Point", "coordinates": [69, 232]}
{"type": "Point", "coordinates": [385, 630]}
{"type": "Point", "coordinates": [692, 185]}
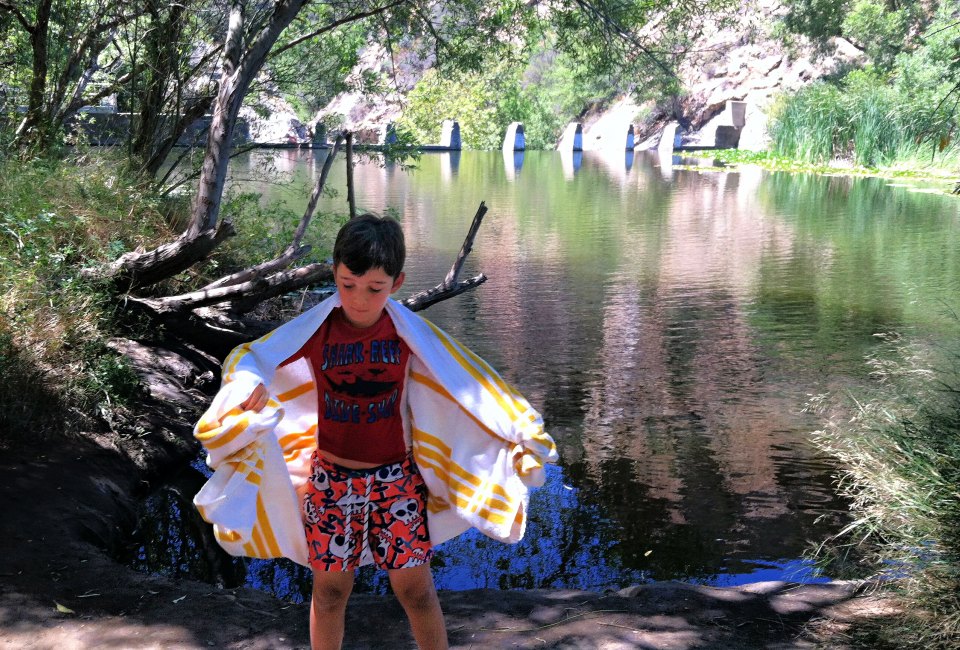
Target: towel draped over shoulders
{"type": "Point", "coordinates": [477, 441]}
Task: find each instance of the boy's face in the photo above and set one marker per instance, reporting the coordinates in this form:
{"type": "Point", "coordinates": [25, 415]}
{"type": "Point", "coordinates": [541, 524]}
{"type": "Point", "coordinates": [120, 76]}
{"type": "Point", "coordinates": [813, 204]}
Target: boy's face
{"type": "Point", "coordinates": [364, 296]}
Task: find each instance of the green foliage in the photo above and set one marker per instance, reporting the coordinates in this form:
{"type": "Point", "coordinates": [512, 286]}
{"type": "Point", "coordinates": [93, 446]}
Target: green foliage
{"type": "Point", "coordinates": [802, 126]}
{"type": "Point", "coordinates": [57, 218]}
{"type": "Point", "coordinates": [310, 74]}
{"type": "Point", "coordinates": [897, 444]}
{"type": "Point", "coordinates": [876, 118]}
{"type": "Point", "coordinates": [816, 18]}
{"type": "Point", "coordinates": [484, 104]}
{"type": "Point", "coordinates": [880, 28]}
{"type": "Point", "coordinates": [879, 31]}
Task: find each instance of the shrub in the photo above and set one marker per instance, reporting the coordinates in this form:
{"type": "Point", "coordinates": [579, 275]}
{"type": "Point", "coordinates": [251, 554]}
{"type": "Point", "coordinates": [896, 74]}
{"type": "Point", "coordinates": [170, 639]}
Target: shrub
{"type": "Point", "coordinates": [58, 217]}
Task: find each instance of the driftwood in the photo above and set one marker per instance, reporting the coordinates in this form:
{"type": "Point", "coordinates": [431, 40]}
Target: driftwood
{"type": "Point", "coordinates": [452, 285]}
{"type": "Point", "coordinates": [212, 319]}
{"type": "Point", "coordinates": [140, 269]}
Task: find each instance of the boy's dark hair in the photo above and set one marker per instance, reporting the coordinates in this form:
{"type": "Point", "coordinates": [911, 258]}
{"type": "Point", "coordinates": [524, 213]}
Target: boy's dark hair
{"type": "Point", "coordinates": [369, 242]}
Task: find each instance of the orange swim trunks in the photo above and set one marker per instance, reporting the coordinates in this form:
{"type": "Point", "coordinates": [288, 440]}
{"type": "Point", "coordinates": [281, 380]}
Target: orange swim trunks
{"type": "Point", "coordinates": [369, 516]}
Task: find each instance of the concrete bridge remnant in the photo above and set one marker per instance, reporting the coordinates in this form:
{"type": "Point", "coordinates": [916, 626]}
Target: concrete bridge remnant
{"type": "Point", "coordinates": [514, 139]}
{"type": "Point", "coordinates": [450, 135]}
{"type": "Point", "coordinates": [572, 138]}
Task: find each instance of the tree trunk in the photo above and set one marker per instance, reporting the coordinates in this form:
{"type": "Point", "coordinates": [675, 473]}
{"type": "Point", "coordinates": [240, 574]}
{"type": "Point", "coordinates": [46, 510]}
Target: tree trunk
{"type": "Point", "coordinates": [31, 129]}
{"type": "Point", "coordinates": [138, 269]}
{"type": "Point", "coordinates": [239, 69]}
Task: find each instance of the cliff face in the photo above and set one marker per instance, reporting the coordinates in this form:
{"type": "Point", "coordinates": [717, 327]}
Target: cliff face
{"type": "Point", "coordinates": [740, 60]}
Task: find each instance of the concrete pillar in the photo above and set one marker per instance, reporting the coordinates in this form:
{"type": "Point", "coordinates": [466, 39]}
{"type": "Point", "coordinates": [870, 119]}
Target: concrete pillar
{"type": "Point", "coordinates": [668, 137]}
{"type": "Point", "coordinates": [572, 138]}
{"type": "Point", "coordinates": [514, 140]}
{"type": "Point", "coordinates": [450, 135]}
{"type": "Point", "coordinates": [630, 143]}
{"type": "Point", "coordinates": [727, 137]}
{"type": "Point", "coordinates": [388, 134]}
{"type": "Point", "coordinates": [738, 113]}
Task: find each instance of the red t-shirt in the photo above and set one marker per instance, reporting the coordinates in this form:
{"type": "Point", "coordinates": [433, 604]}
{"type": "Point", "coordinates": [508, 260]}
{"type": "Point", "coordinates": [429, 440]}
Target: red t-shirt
{"type": "Point", "coordinates": [360, 375]}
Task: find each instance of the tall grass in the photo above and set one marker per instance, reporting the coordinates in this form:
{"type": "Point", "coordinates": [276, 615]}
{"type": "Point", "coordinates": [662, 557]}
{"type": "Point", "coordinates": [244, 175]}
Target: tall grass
{"type": "Point", "coordinates": [864, 119]}
{"type": "Point", "coordinates": [57, 217]}
{"type": "Point", "coordinates": [898, 449]}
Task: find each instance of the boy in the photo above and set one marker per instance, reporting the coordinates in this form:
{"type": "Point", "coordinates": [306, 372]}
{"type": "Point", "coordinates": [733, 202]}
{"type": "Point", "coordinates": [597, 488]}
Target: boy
{"type": "Point", "coordinates": [330, 406]}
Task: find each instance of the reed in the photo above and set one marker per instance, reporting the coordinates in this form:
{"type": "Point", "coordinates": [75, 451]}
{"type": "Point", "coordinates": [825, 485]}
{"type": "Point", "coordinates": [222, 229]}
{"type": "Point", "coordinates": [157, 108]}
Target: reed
{"type": "Point", "coordinates": [865, 120]}
{"type": "Point", "coordinates": [897, 446]}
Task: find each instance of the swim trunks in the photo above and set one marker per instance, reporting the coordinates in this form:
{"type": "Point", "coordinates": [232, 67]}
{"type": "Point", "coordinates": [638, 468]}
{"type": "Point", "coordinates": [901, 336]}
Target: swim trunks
{"type": "Point", "coordinates": [368, 516]}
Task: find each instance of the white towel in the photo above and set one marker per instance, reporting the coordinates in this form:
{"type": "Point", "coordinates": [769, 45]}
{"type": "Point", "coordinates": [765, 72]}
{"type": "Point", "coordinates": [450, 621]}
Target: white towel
{"type": "Point", "coordinates": [478, 443]}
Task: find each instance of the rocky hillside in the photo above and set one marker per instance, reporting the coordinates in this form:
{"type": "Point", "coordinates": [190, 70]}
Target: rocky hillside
{"type": "Point", "coordinates": [741, 60]}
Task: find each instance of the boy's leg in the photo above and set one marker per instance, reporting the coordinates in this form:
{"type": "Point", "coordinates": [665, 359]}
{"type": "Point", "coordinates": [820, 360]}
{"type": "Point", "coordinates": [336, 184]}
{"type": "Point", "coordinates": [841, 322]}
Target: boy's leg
{"type": "Point", "coordinates": [415, 590]}
{"type": "Point", "coordinates": [331, 590]}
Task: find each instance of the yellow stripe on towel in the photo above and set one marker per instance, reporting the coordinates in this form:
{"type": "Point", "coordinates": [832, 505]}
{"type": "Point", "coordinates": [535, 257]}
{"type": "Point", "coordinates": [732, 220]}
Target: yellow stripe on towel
{"type": "Point", "coordinates": [501, 391]}
{"type": "Point", "coordinates": [299, 439]}
{"type": "Point", "coordinates": [467, 499]}
{"type": "Point", "coordinates": [214, 440]}
{"type": "Point", "coordinates": [294, 393]}
{"type": "Point", "coordinates": [441, 456]}
{"type": "Point", "coordinates": [440, 390]}
{"type": "Point", "coordinates": [268, 538]}
{"type": "Point", "coordinates": [225, 534]}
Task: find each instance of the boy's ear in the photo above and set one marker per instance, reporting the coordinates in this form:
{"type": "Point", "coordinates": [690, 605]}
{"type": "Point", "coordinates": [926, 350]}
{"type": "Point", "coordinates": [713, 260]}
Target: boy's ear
{"type": "Point", "coordinates": [398, 282]}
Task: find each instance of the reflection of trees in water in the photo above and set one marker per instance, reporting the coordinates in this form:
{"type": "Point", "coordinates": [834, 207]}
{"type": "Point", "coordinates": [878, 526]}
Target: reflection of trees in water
{"type": "Point", "coordinates": [680, 412]}
{"type": "Point", "coordinates": [172, 539]}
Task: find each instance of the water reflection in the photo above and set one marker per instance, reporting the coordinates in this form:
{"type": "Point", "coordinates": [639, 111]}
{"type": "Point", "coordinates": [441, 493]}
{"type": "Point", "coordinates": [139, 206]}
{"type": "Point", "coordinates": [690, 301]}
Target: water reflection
{"type": "Point", "coordinates": [449, 165]}
{"type": "Point", "coordinates": [512, 163]}
{"type": "Point", "coordinates": [571, 161]}
{"type": "Point", "coordinates": [669, 325]}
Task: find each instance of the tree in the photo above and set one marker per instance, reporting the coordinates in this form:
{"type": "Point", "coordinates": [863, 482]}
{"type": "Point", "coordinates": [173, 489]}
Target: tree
{"type": "Point", "coordinates": [459, 35]}
{"type": "Point", "coordinates": [167, 91]}
{"type": "Point", "coordinates": [68, 43]}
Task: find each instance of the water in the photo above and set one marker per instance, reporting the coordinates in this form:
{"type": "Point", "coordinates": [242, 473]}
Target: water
{"type": "Point", "coordinates": [670, 324]}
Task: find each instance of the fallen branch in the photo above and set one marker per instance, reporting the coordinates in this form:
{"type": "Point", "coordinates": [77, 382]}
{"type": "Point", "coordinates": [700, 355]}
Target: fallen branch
{"type": "Point", "coordinates": [294, 250]}
{"type": "Point", "coordinates": [142, 269]}
{"type": "Point", "coordinates": [244, 296]}
{"type": "Point", "coordinates": [451, 285]}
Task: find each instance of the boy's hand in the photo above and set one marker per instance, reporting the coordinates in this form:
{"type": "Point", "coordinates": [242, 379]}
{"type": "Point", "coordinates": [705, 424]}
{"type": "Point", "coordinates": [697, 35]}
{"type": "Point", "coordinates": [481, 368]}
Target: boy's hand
{"type": "Point", "coordinates": [257, 400]}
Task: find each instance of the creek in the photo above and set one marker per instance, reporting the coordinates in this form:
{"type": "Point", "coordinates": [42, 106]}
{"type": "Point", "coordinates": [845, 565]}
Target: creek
{"type": "Point", "coordinates": [670, 323]}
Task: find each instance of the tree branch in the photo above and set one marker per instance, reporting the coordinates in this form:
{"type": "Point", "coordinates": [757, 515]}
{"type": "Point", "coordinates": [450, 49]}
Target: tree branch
{"type": "Point", "coordinates": [334, 25]}
{"type": "Point", "coordinates": [12, 8]}
{"type": "Point", "coordinates": [454, 272]}
{"type": "Point", "coordinates": [245, 295]}
{"type": "Point", "coordinates": [615, 28]}
{"type": "Point", "coordinates": [451, 286]}
{"type": "Point", "coordinates": [293, 251]}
